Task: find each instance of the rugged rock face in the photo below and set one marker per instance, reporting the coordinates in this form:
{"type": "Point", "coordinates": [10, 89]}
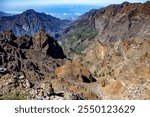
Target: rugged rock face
{"type": "Point", "coordinates": [74, 70]}
{"type": "Point", "coordinates": [30, 22]}
{"type": "Point", "coordinates": [112, 23]}
{"type": "Point", "coordinates": [33, 68]}
{"type": "Point", "coordinates": [121, 68]}
{"type": "Point", "coordinates": [45, 43]}
{"type": "Point", "coordinates": [123, 21]}
{"type": "Point", "coordinates": [118, 56]}
{"type": "Point", "coordinates": [76, 81]}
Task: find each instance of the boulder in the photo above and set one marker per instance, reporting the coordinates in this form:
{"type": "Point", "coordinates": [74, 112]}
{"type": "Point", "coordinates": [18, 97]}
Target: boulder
{"type": "Point", "coordinates": [74, 70]}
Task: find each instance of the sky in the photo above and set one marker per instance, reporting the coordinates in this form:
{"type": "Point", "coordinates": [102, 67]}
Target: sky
{"type": "Point", "coordinates": [39, 3]}
{"type": "Point", "coordinates": [57, 7]}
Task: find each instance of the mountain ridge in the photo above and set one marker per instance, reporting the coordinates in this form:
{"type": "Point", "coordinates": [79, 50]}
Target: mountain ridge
{"type": "Point", "coordinates": [111, 23]}
{"type": "Point", "coordinates": [38, 64]}
{"type": "Point", "coordinates": [30, 22]}
{"type": "Point", "coordinates": [4, 14]}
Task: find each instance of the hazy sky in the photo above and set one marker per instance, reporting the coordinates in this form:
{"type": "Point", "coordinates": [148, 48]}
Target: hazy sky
{"type": "Point", "coordinates": [28, 4]}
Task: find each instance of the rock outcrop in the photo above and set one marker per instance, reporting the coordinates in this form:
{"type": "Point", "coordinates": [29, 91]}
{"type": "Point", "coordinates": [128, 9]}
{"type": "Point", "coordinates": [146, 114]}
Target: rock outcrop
{"type": "Point", "coordinates": [123, 21]}
{"type": "Point", "coordinates": [20, 60]}
{"type": "Point", "coordinates": [46, 43]}
{"type": "Point", "coordinates": [74, 71]}
{"type": "Point", "coordinates": [121, 68]}
{"type": "Point", "coordinates": [31, 68]}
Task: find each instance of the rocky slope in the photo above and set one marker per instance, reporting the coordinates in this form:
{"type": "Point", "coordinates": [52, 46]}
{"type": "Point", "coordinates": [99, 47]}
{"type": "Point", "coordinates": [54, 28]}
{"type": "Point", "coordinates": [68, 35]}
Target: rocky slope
{"type": "Point", "coordinates": [121, 68]}
{"type": "Point", "coordinates": [36, 68]}
{"type": "Point", "coordinates": [76, 36]}
{"type": "Point", "coordinates": [30, 22]}
{"type": "Point", "coordinates": [111, 23]}
{"type": "Point", "coordinates": [118, 56]}
{"type": "Point", "coordinates": [123, 21]}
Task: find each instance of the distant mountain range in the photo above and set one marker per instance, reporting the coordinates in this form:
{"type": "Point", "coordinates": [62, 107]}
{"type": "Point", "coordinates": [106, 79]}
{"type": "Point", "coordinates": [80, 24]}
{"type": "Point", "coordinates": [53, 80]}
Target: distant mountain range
{"type": "Point", "coordinates": [110, 23]}
{"type": "Point", "coordinates": [67, 12]}
{"type": "Point", "coordinates": [30, 22]}
{"type": "Point", "coordinates": [4, 14]}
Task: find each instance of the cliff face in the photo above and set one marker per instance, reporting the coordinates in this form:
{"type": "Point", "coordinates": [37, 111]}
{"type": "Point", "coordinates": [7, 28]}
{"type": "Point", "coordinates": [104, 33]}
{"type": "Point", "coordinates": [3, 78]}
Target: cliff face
{"type": "Point", "coordinates": [26, 52]}
{"type": "Point", "coordinates": [118, 56]}
{"type": "Point", "coordinates": [121, 68]}
{"type": "Point", "coordinates": [112, 23]}
{"type": "Point", "coordinates": [30, 22]}
{"type": "Point", "coordinates": [123, 21]}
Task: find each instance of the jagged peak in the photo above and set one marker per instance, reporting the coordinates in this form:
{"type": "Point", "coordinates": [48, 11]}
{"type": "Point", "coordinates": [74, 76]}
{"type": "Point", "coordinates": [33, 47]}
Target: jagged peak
{"type": "Point", "coordinates": [125, 3]}
{"type": "Point", "coordinates": [29, 11]}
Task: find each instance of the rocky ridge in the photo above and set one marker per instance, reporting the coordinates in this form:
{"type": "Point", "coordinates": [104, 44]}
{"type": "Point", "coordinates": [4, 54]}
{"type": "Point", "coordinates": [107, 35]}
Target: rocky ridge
{"type": "Point", "coordinates": [111, 23]}
{"type": "Point", "coordinates": [30, 22]}
{"type": "Point", "coordinates": [37, 68]}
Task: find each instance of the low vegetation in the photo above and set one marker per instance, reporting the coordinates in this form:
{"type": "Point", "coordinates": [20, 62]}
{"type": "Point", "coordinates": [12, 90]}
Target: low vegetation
{"type": "Point", "coordinates": [76, 39]}
{"type": "Point", "coordinates": [13, 96]}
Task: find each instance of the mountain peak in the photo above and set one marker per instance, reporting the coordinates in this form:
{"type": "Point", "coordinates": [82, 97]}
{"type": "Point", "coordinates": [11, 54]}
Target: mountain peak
{"type": "Point", "coordinates": [30, 11]}
{"type": "Point", "coordinates": [126, 3]}
{"type": "Point", "coordinates": [29, 22]}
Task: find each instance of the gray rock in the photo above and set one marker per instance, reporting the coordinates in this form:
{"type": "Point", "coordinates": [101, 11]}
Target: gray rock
{"type": "Point", "coordinates": [3, 70]}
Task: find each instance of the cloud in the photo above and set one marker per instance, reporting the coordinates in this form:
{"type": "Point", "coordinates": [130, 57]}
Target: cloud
{"type": "Point", "coordinates": [64, 14]}
{"type": "Point", "coordinates": [14, 12]}
{"type": "Point", "coordinates": [52, 14]}
{"type": "Point", "coordinates": [78, 14]}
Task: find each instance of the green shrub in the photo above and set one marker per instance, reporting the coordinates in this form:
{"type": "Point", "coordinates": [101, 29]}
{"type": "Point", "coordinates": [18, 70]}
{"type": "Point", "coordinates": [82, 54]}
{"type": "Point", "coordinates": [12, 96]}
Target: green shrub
{"type": "Point", "coordinates": [13, 96]}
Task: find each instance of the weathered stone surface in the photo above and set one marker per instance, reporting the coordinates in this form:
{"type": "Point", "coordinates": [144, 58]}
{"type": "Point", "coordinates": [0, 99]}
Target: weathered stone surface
{"type": "Point", "coordinates": [74, 70]}
{"type": "Point", "coordinates": [36, 68]}
{"type": "Point", "coordinates": [45, 43]}
{"type": "Point", "coordinates": [29, 66]}
{"type": "Point", "coordinates": [123, 70]}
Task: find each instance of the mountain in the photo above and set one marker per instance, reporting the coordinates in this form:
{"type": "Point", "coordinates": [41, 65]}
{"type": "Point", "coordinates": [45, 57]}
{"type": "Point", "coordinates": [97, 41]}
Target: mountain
{"type": "Point", "coordinates": [111, 23]}
{"type": "Point", "coordinates": [30, 22]}
{"type": "Point", "coordinates": [121, 68]}
{"type": "Point", "coordinates": [69, 12]}
{"type": "Point", "coordinates": [37, 68]}
{"type": "Point", "coordinates": [124, 21]}
{"type": "Point", "coordinates": [4, 14]}
{"type": "Point", "coordinates": [75, 37]}
{"type": "Point", "coordinates": [117, 55]}
{"type": "Point", "coordinates": [105, 55]}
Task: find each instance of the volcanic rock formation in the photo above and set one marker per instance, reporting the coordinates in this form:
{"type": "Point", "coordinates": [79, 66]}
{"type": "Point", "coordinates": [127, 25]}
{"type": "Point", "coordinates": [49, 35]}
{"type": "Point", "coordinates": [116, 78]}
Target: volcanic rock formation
{"type": "Point", "coordinates": [30, 68]}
